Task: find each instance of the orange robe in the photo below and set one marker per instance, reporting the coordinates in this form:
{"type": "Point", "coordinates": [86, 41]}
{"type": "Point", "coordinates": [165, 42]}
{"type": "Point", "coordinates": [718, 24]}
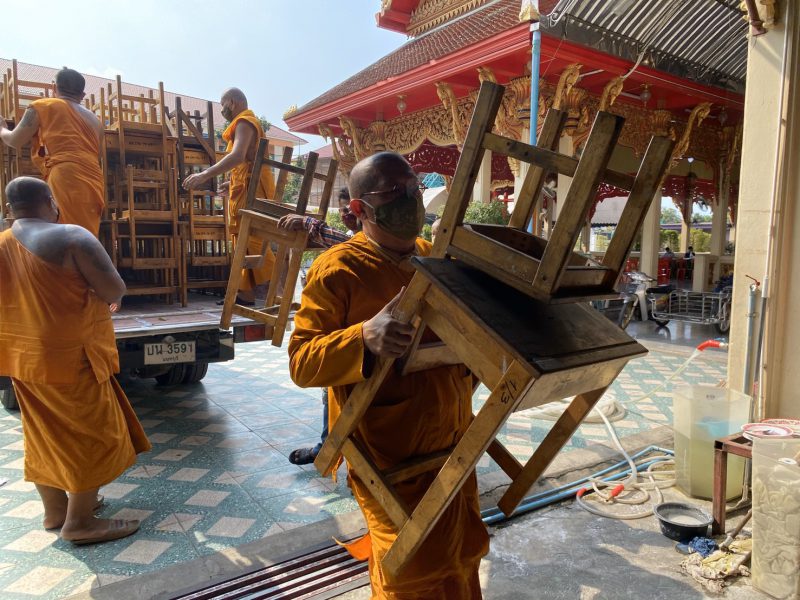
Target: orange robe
{"type": "Point", "coordinates": [413, 415]}
{"type": "Point", "coordinates": [57, 344]}
{"type": "Point", "coordinates": [237, 198]}
{"type": "Point", "coordinates": [70, 153]}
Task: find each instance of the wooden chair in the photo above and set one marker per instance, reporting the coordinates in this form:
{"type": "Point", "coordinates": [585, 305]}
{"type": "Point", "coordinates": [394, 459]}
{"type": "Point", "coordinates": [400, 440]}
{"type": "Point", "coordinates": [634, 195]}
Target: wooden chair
{"type": "Point", "coordinates": [19, 93]}
{"type": "Point", "coordinates": [549, 269]}
{"type": "Point", "coordinates": [511, 309]}
{"type": "Point", "coordinates": [260, 220]}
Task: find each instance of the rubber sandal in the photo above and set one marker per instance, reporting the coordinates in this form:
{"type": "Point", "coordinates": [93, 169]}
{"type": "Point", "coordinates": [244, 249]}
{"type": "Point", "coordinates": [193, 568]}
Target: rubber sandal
{"type": "Point", "coordinates": [302, 456]}
{"type": "Point", "coordinates": [118, 529]}
{"type": "Point", "coordinates": [238, 301]}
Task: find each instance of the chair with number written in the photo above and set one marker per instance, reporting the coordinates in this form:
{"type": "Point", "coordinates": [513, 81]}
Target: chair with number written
{"type": "Point", "coordinates": [512, 308]}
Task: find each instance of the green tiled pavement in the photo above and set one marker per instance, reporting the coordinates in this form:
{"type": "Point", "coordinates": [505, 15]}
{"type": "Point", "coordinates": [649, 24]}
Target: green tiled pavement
{"type": "Point", "coordinates": [218, 475]}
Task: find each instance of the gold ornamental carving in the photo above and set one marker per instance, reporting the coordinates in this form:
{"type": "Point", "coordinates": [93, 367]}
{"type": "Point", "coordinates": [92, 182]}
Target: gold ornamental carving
{"type": "Point", "coordinates": [569, 77]}
{"type": "Point", "coordinates": [610, 93]}
{"type": "Point", "coordinates": [407, 133]}
{"type": "Point", "coordinates": [357, 137]}
{"type": "Point", "coordinates": [699, 113]}
{"type": "Point", "coordinates": [342, 149]}
{"type": "Point", "coordinates": [290, 111]}
{"type": "Point", "coordinates": [430, 13]}
{"type": "Point", "coordinates": [528, 12]}
{"type": "Point", "coordinates": [450, 103]}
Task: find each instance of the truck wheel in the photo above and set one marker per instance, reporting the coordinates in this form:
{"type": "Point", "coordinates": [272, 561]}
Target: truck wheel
{"type": "Point", "coordinates": [195, 372]}
{"type": "Point", "coordinates": [172, 377]}
{"type": "Point", "coordinates": [9, 399]}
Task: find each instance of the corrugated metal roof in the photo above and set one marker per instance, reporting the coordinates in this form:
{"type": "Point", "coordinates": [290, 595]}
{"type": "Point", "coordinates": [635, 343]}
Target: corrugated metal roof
{"type": "Point", "coordinates": [702, 40]}
{"type": "Point", "coordinates": [41, 74]}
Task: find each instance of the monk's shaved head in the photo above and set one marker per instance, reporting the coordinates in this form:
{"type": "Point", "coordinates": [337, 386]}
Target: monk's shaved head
{"type": "Point", "coordinates": [25, 193]}
{"type": "Point", "coordinates": [375, 171]}
{"type": "Point", "coordinates": [69, 82]}
{"type": "Point", "coordinates": [235, 95]}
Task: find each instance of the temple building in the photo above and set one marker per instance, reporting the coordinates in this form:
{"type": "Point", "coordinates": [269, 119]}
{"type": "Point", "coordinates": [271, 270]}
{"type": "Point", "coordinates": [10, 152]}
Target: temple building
{"type": "Point", "coordinates": [668, 71]}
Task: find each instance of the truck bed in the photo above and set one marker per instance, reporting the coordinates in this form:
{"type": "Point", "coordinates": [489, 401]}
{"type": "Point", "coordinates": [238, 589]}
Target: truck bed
{"type": "Point", "coordinates": [142, 317]}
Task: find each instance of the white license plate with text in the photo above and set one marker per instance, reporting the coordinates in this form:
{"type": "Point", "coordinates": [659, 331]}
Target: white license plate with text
{"type": "Point", "coordinates": [175, 352]}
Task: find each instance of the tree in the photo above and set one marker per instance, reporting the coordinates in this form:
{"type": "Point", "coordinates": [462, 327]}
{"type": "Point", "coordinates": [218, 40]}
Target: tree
{"type": "Point", "coordinates": [292, 189]}
{"type": "Point", "coordinates": [670, 215]}
{"type": "Point", "coordinates": [669, 238]}
{"type": "Point", "coordinates": [265, 125]}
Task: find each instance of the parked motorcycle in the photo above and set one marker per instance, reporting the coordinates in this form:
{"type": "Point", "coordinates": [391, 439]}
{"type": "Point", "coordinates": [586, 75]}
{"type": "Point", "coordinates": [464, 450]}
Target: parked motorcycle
{"type": "Point", "coordinates": [632, 301]}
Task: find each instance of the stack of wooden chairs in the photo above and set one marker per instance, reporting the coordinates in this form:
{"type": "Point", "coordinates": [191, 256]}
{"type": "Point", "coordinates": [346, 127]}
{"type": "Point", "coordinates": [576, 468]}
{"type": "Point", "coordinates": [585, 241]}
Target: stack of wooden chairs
{"type": "Point", "coordinates": [514, 309]}
{"type": "Point", "coordinates": [15, 95]}
{"type": "Point", "coordinates": [141, 228]}
{"type": "Point", "coordinates": [260, 219]}
{"type": "Point", "coordinates": [203, 213]}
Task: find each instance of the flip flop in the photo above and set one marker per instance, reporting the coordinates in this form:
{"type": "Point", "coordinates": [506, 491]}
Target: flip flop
{"type": "Point", "coordinates": [119, 528]}
{"type": "Point", "coordinates": [302, 456]}
{"type": "Point", "coordinates": [238, 301]}
{"type": "Point", "coordinates": [101, 502]}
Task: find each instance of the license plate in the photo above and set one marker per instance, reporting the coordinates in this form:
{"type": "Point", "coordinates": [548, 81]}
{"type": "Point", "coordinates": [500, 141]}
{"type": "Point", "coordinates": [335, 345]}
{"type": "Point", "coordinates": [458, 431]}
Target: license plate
{"type": "Point", "coordinates": [176, 352]}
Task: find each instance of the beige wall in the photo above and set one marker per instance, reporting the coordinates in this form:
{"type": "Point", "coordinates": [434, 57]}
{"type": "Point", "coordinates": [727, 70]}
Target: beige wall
{"type": "Point", "coordinates": [770, 155]}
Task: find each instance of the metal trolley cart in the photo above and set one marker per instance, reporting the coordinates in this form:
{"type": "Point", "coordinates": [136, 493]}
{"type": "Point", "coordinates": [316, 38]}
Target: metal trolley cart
{"type": "Point", "coordinates": [706, 308]}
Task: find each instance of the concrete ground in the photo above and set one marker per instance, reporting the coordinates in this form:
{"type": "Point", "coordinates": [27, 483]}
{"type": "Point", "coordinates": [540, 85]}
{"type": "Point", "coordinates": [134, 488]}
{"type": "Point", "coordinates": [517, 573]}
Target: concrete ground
{"type": "Point", "coordinates": [217, 494]}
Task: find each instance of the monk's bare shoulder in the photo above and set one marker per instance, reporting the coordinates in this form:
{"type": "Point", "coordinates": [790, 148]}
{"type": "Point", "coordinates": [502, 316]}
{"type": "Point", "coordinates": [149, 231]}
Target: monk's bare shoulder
{"type": "Point", "coordinates": [82, 243]}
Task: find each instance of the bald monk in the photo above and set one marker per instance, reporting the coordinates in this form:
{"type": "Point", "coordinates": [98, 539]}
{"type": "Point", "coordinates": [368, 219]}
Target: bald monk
{"type": "Point", "coordinates": [57, 345]}
{"type": "Point", "coordinates": [343, 324]}
{"type": "Point", "coordinates": [65, 145]}
{"type": "Point", "coordinates": [243, 136]}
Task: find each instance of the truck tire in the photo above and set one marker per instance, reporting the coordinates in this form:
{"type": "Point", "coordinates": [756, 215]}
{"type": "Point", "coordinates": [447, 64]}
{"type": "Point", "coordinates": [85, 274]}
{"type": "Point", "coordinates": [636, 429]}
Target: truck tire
{"type": "Point", "coordinates": [172, 377]}
{"type": "Point", "coordinates": [195, 372]}
{"type": "Point", "coordinates": [9, 399]}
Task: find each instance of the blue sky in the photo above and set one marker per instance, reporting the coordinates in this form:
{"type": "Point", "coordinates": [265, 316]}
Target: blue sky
{"type": "Point", "coordinates": [280, 53]}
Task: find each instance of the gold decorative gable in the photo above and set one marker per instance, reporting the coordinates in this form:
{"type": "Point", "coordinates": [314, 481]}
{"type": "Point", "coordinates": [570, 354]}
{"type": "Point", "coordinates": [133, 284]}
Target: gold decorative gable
{"type": "Point", "coordinates": [431, 13]}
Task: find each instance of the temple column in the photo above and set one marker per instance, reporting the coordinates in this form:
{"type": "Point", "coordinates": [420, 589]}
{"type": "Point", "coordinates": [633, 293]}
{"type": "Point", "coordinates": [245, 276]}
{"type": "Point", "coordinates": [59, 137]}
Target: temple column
{"type": "Point", "coordinates": [769, 207]}
{"type": "Point", "coordinates": [719, 219]}
{"type": "Point", "coordinates": [564, 182]}
{"type": "Point", "coordinates": [482, 192]}
{"type": "Point", "coordinates": [651, 234]}
{"type": "Point", "coordinates": [686, 226]}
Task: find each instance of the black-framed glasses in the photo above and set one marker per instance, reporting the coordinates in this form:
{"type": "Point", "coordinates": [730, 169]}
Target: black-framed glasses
{"type": "Point", "coordinates": [411, 189]}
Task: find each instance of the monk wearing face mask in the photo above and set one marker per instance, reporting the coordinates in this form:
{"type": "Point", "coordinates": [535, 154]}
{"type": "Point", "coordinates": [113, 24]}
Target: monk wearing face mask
{"type": "Point", "coordinates": [344, 322]}
{"type": "Point", "coordinates": [243, 136]}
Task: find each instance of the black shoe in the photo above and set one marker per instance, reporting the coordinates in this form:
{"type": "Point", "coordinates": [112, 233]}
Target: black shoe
{"type": "Point", "coordinates": [302, 456]}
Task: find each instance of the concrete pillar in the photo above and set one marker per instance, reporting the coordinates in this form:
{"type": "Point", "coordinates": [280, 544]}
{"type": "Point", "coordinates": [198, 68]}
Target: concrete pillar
{"type": "Point", "coordinates": [482, 192]}
{"type": "Point", "coordinates": [651, 233]}
{"type": "Point", "coordinates": [770, 182]}
{"type": "Point", "coordinates": [719, 219]}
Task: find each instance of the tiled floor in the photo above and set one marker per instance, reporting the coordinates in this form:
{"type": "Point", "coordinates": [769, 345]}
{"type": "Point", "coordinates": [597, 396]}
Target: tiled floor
{"type": "Point", "coordinates": [218, 475]}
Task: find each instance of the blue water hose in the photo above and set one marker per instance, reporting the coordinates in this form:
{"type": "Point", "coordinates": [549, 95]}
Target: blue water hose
{"type": "Point", "coordinates": [493, 515]}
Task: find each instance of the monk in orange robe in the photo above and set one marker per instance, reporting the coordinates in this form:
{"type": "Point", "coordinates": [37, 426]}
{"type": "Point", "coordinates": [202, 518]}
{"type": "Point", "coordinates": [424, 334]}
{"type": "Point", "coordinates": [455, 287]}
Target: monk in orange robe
{"type": "Point", "coordinates": [243, 136]}
{"type": "Point", "coordinates": [65, 145]}
{"type": "Point", "coordinates": [344, 322]}
{"type": "Point", "coordinates": [57, 345]}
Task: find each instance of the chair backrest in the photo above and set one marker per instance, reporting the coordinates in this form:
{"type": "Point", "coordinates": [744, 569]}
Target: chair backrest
{"type": "Point", "coordinates": [274, 206]}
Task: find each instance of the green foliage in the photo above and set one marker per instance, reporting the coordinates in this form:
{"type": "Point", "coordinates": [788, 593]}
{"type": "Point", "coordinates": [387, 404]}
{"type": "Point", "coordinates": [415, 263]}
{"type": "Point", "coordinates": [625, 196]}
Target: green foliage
{"type": "Point", "coordinates": [292, 189]}
{"type": "Point", "coordinates": [700, 240]}
{"type": "Point", "coordinates": [670, 215]}
{"type": "Point", "coordinates": [335, 220]}
{"type": "Point", "coordinates": [670, 238]}
{"type": "Point", "coordinates": [490, 213]}
{"type": "Point", "coordinates": [426, 232]}
{"type": "Point", "coordinates": [702, 218]}
{"type": "Point", "coordinates": [265, 125]}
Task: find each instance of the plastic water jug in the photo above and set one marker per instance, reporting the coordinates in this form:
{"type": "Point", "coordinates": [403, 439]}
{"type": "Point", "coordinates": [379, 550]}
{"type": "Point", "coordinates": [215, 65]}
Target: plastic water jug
{"type": "Point", "coordinates": [702, 414]}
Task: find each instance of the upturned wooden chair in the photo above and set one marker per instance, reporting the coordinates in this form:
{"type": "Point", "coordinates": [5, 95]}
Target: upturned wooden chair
{"type": "Point", "coordinates": [512, 309]}
{"type": "Point", "coordinates": [260, 220]}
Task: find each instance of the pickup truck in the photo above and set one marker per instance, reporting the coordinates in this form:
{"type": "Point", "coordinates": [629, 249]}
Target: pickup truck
{"type": "Point", "coordinates": [170, 343]}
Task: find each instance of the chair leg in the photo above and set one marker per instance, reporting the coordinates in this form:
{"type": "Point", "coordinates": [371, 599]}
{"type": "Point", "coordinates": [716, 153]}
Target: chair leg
{"type": "Point", "coordinates": [235, 277]}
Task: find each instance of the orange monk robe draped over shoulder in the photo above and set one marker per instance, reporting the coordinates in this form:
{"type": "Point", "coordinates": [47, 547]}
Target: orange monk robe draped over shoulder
{"type": "Point", "coordinates": [70, 153]}
{"type": "Point", "coordinates": [237, 198]}
{"type": "Point", "coordinates": [416, 415]}
{"type": "Point", "coordinates": [57, 344]}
